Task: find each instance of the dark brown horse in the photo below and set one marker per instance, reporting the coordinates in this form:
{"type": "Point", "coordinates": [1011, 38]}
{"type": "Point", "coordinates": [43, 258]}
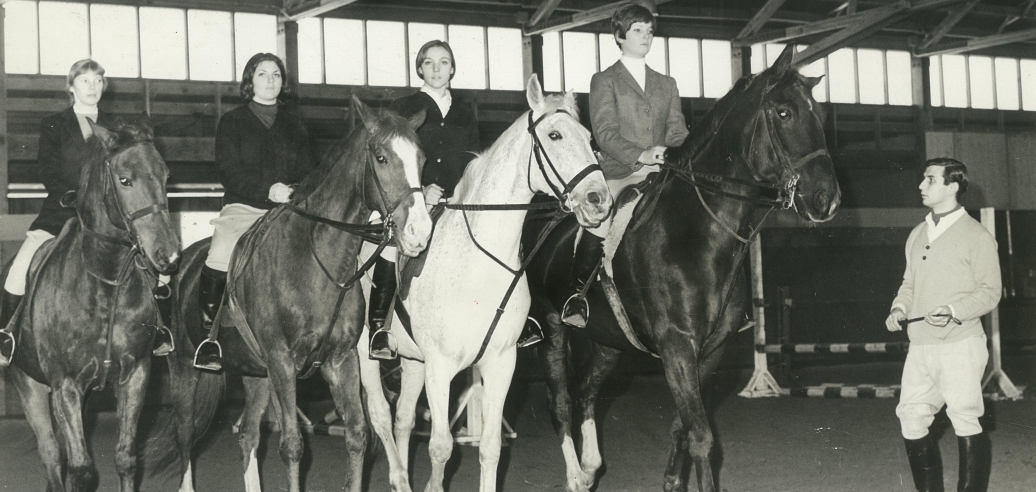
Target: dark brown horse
{"type": "Point", "coordinates": [293, 297]}
{"type": "Point", "coordinates": [88, 317]}
{"type": "Point", "coordinates": [678, 275]}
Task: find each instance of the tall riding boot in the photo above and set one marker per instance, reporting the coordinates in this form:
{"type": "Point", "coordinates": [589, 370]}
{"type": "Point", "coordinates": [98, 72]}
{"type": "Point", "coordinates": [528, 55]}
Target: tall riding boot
{"type": "Point", "coordinates": [8, 304]}
{"type": "Point", "coordinates": [588, 256]}
{"type": "Point", "coordinates": [925, 463]}
{"type": "Point", "coordinates": [382, 343]}
{"type": "Point", "coordinates": [975, 461]}
{"type": "Point", "coordinates": [164, 344]}
{"type": "Point", "coordinates": [211, 284]}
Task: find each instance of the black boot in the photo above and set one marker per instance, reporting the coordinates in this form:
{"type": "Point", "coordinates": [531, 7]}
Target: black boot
{"type": "Point", "coordinates": [8, 304]}
{"type": "Point", "coordinates": [382, 343]}
{"type": "Point", "coordinates": [532, 333]}
{"type": "Point", "coordinates": [589, 251]}
{"type": "Point", "coordinates": [975, 461]}
{"type": "Point", "coordinates": [211, 284]}
{"type": "Point", "coordinates": [925, 463]}
{"type": "Point", "coordinates": [164, 344]}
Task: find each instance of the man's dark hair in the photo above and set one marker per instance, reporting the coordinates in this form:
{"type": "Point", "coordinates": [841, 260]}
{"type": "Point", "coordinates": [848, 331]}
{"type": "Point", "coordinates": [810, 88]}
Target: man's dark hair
{"type": "Point", "coordinates": [627, 15]}
{"type": "Point", "coordinates": [953, 171]}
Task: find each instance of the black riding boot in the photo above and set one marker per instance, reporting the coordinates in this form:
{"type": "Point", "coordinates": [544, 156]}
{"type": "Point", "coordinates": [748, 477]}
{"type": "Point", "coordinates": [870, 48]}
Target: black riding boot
{"type": "Point", "coordinates": [975, 461]}
{"type": "Point", "coordinates": [532, 333]}
{"type": "Point", "coordinates": [211, 284]}
{"type": "Point", "coordinates": [164, 344]}
{"type": "Point", "coordinates": [589, 252]}
{"type": "Point", "coordinates": [8, 304]}
{"type": "Point", "coordinates": [925, 464]}
{"type": "Point", "coordinates": [382, 344]}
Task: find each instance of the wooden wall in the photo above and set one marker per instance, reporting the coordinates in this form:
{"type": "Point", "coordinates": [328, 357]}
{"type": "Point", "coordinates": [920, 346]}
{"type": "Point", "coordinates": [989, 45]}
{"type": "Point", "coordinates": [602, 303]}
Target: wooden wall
{"type": "Point", "coordinates": [1001, 168]}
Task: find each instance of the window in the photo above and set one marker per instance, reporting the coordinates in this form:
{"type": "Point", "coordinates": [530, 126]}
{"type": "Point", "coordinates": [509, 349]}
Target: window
{"type": "Point", "coordinates": [417, 35]}
{"type": "Point", "coordinates": [871, 68]}
{"type": "Point", "coordinates": [210, 45]}
{"type": "Point", "coordinates": [817, 69]}
{"type": "Point", "coordinates": [311, 56]}
{"type": "Point", "coordinates": [685, 65]}
{"type": "Point", "coordinates": [900, 80]}
{"type": "Point", "coordinates": [1006, 70]}
{"type": "Point", "coordinates": [22, 44]}
{"type": "Point", "coordinates": [64, 36]}
{"type": "Point", "coordinates": [113, 39]}
{"type": "Point", "coordinates": [469, 48]}
{"type": "Point", "coordinates": [935, 75]}
{"type": "Point", "coordinates": [1028, 78]}
{"type": "Point", "coordinates": [580, 60]}
{"type": "Point", "coordinates": [980, 73]}
{"type": "Point", "coordinates": [552, 74]}
{"type": "Point", "coordinates": [716, 80]}
{"type": "Point", "coordinates": [955, 81]}
{"type": "Point", "coordinates": [253, 33]}
{"type": "Point", "coordinates": [505, 55]}
{"type": "Point", "coordinates": [609, 51]}
{"type": "Point", "coordinates": [657, 58]}
{"type": "Point", "coordinates": [345, 59]}
{"type": "Point", "coordinates": [387, 57]}
{"type": "Point", "coordinates": [842, 71]}
{"type": "Point", "coordinates": [163, 43]}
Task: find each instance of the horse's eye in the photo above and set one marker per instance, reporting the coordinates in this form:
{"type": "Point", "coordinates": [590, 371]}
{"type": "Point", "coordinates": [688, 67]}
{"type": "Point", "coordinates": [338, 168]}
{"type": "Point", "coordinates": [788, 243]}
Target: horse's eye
{"type": "Point", "coordinates": [124, 181]}
{"type": "Point", "coordinates": [381, 159]}
{"type": "Point", "coordinates": [783, 113]}
{"type": "Point", "coordinates": [554, 135]}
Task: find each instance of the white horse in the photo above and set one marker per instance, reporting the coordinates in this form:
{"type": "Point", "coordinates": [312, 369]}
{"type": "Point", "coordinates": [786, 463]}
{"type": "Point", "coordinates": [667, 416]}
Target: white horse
{"type": "Point", "coordinates": [454, 301]}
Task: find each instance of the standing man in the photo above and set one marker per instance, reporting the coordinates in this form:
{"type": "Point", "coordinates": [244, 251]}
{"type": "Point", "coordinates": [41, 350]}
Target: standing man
{"type": "Point", "coordinates": [952, 278]}
{"type": "Point", "coordinates": [635, 114]}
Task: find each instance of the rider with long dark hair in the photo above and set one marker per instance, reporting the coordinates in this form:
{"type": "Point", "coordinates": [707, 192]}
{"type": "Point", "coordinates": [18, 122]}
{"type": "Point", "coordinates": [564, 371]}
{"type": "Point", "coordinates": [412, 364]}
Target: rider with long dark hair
{"type": "Point", "coordinates": [262, 152]}
{"type": "Point", "coordinates": [61, 152]}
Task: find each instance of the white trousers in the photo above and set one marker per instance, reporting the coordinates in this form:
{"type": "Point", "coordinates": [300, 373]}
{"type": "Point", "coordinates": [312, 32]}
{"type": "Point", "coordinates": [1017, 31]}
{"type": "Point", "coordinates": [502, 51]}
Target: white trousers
{"type": "Point", "coordinates": [943, 374]}
{"type": "Point", "coordinates": [233, 221]}
{"type": "Point", "coordinates": [615, 186]}
{"type": "Point", "coordinates": [15, 283]}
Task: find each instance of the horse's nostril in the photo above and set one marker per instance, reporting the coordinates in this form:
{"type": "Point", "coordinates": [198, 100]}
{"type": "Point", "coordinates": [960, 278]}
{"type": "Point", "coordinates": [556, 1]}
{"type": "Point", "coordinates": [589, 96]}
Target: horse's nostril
{"type": "Point", "coordinates": [594, 198]}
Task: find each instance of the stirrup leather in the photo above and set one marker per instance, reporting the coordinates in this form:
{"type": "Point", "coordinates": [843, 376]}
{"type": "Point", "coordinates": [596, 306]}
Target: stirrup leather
{"type": "Point", "coordinates": [210, 365]}
{"type": "Point", "coordinates": [5, 360]}
{"type": "Point", "coordinates": [166, 348]}
{"type": "Point", "coordinates": [389, 353]}
{"type": "Point", "coordinates": [570, 313]}
{"type": "Point", "coordinates": [535, 333]}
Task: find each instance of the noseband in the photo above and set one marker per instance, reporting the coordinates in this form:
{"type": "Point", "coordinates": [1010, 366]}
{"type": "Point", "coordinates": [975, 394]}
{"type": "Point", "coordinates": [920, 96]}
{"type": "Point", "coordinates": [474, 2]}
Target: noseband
{"type": "Point", "coordinates": [541, 156]}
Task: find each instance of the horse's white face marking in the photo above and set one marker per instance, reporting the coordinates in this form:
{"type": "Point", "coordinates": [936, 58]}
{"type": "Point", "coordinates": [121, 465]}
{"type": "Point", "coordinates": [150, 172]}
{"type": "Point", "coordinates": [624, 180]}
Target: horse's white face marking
{"type": "Point", "coordinates": [567, 144]}
{"type": "Point", "coordinates": [414, 234]}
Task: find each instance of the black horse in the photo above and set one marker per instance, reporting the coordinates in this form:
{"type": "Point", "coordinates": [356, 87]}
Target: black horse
{"type": "Point", "coordinates": [88, 318]}
{"type": "Point", "coordinates": [292, 291]}
{"type": "Point", "coordinates": [678, 274]}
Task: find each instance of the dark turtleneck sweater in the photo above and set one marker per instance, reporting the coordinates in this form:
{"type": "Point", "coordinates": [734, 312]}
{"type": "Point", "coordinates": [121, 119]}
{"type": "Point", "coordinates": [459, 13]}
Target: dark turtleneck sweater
{"type": "Point", "coordinates": [265, 112]}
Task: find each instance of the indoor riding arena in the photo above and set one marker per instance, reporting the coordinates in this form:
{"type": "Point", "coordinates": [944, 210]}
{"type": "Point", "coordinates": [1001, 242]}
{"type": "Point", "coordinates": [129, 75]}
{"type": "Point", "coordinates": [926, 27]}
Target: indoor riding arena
{"type": "Point", "coordinates": [835, 148]}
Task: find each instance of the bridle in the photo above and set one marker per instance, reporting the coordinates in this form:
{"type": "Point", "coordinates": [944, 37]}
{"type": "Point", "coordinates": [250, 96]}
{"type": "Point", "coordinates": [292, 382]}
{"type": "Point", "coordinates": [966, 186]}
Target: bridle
{"type": "Point", "coordinates": [540, 153]}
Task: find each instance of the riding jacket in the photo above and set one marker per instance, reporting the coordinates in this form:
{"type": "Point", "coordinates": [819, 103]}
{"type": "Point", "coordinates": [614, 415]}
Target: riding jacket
{"type": "Point", "coordinates": [449, 142]}
{"type": "Point", "coordinates": [627, 120]}
{"type": "Point", "coordinates": [250, 158]}
{"type": "Point", "coordinates": [61, 153]}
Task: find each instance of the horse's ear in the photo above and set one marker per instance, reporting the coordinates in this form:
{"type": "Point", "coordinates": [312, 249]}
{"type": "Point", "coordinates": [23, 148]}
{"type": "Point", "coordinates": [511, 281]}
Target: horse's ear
{"type": "Point", "coordinates": [534, 93]}
{"type": "Point", "coordinates": [418, 119]}
{"type": "Point", "coordinates": [783, 63]}
{"type": "Point", "coordinates": [570, 102]}
{"type": "Point", "coordinates": [812, 82]}
{"type": "Point", "coordinates": [365, 112]}
{"type": "Point", "coordinates": [107, 138]}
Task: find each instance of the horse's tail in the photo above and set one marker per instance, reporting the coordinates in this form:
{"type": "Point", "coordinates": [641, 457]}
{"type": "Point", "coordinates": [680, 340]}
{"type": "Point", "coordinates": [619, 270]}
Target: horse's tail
{"type": "Point", "coordinates": [197, 395]}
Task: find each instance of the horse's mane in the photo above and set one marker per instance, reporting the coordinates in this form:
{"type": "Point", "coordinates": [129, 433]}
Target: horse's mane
{"type": "Point", "coordinates": [386, 125]}
{"type": "Point", "coordinates": [702, 133]}
{"type": "Point", "coordinates": [517, 131]}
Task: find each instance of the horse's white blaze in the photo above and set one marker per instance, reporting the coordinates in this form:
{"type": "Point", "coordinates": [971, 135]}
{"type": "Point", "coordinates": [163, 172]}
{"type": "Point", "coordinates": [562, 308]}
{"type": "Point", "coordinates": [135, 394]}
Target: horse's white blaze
{"type": "Point", "coordinates": [407, 152]}
{"type": "Point", "coordinates": [187, 484]}
{"type": "Point", "coordinates": [252, 474]}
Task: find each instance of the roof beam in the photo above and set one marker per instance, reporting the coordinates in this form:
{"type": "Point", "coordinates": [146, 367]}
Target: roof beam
{"type": "Point", "coordinates": [312, 8]}
{"type": "Point", "coordinates": [543, 11]}
{"type": "Point", "coordinates": [867, 24]}
{"type": "Point", "coordinates": [977, 43]}
{"type": "Point", "coordinates": [577, 19]}
{"type": "Point", "coordinates": [951, 20]}
{"type": "Point", "coordinates": [761, 17]}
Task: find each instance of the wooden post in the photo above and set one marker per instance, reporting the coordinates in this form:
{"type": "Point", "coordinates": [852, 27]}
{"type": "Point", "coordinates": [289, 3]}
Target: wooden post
{"type": "Point", "coordinates": [532, 57]}
{"type": "Point", "coordinates": [995, 367]}
{"type": "Point", "coordinates": [288, 47]}
{"type": "Point", "coordinates": [762, 382]}
{"type": "Point", "coordinates": [786, 304]}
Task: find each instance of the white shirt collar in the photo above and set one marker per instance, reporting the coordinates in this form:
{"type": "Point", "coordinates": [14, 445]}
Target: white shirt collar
{"type": "Point", "coordinates": [77, 109]}
{"type": "Point", "coordinates": [934, 231]}
{"type": "Point", "coordinates": [444, 102]}
{"type": "Point", "coordinates": [637, 68]}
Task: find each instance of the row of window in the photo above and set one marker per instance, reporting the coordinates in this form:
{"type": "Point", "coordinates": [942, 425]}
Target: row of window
{"type": "Point", "coordinates": [166, 43]}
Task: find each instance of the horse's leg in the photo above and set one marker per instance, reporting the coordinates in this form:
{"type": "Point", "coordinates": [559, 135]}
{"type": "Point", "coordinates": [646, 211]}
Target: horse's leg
{"type": "Point", "coordinates": [343, 377]}
{"type": "Point", "coordinates": [35, 400]}
{"type": "Point", "coordinates": [691, 431]}
{"type": "Point", "coordinates": [554, 357]}
{"type": "Point", "coordinates": [381, 419]}
{"type": "Point", "coordinates": [257, 395]}
{"type": "Point", "coordinates": [411, 384]}
{"type": "Point", "coordinates": [496, 380]}
{"type": "Point", "coordinates": [130, 401]}
{"type": "Point", "coordinates": [67, 400]}
{"type": "Point", "coordinates": [440, 445]}
{"type": "Point", "coordinates": [183, 378]}
{"type": "Point", "coordinates": [282, 378]}
{"type": "Point", "coordinates": [602, 362]}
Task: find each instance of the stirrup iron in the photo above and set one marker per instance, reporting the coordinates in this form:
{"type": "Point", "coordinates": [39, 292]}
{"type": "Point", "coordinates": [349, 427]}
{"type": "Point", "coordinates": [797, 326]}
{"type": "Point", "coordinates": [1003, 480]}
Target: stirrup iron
{"type": "Point", "coordinates": [391, 351]}
{"type": "Point", "coordinates": [5, 360]}
{"type": "Point", "coordinates": [166, 348]}
{"type": "Point", "coordinates": [535, 335]}
{"type": "Point", "coordinates": [214, 365]}
{"type": "Point", "coordinates": [575, 319]}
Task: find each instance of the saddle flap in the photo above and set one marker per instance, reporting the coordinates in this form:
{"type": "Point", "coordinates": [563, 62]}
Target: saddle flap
{"type": "Point", "coordinates": [412, 267]}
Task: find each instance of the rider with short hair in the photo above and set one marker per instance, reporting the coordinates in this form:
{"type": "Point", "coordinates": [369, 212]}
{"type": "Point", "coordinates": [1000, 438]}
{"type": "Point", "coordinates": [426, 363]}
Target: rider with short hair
{"type": "Point", "coordinates": [262, 152]}
{"type": "Point", "coordinates": [635, 114]}
{"type": "Point", "coordinates": [62, 148]}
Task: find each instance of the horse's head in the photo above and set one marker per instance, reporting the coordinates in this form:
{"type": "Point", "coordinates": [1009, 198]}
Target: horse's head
{"type": "Point", "coordinates": [567, 167]}
{"type": "Point", "coordinates": [784, 141]}
{"type": "Point", "coordinates": [393, 188]}
{"type": "Point", "coordinates": [123, 190]}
